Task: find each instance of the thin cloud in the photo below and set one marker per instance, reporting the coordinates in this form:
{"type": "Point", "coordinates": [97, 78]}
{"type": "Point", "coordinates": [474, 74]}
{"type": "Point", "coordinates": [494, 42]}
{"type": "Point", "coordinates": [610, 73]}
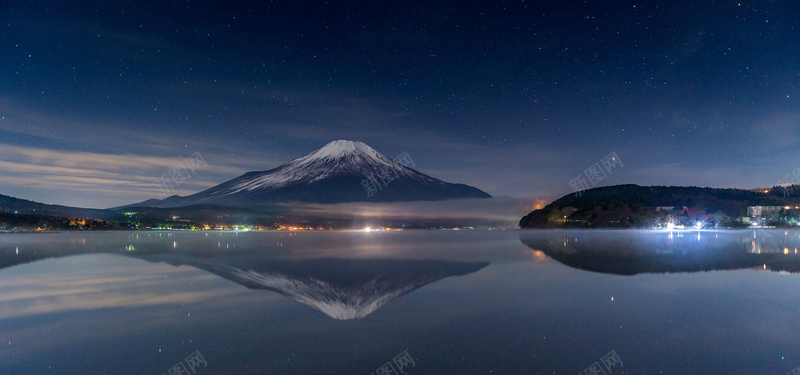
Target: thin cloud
{"type": "Point", "coordinates": [502, 210]}
{"type": "Point", "coordinates": [114, 176]}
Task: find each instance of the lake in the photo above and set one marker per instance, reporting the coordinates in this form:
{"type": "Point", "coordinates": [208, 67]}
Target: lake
{"type": "Point", "coordinates": [400, 302]}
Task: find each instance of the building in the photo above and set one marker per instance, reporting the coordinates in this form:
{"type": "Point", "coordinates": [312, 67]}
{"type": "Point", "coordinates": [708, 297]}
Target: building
{"type": "Point", "coordinates": [764, 214]}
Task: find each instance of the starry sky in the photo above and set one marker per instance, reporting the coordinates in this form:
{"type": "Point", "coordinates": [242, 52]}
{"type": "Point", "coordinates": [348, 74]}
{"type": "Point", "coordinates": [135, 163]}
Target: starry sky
{"type": "Point", "coordinates": [98, 99]}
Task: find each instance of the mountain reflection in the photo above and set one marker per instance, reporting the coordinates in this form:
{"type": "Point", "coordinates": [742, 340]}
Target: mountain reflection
{"type": "Point", "coordinates": [341, 288]}
{"type": "Point", "coordinates": [635, 252]}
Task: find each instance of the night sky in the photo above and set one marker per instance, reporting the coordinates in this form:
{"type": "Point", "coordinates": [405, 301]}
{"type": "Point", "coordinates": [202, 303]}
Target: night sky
{"type": "Point", "coordinates": [100, 98]}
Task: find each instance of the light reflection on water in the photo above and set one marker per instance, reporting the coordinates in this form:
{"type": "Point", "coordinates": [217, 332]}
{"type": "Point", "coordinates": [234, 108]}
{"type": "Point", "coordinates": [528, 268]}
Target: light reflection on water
{"type": "Point", "coordinates": [517, 302]}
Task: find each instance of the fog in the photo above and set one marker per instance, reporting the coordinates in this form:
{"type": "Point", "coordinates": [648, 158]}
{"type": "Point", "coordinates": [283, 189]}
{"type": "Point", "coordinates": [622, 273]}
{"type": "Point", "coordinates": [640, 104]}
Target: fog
{"type": "Point", "coordinates": [499, 210]}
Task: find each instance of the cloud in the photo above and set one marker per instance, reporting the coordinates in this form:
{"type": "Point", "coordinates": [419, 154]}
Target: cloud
{"type": "Point", "coordinates": [115, 175]}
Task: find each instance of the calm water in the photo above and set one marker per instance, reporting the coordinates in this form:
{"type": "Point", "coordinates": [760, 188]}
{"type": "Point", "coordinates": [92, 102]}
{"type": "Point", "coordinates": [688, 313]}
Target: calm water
{"type": "Point", "coordinates": [486, 302]}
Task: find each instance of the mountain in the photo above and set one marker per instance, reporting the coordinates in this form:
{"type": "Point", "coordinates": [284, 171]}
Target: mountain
{"type": "Point", "coordinates": [341, 171]}
{"type": "Point", "coordinates": [634, 206]}
{"type": "Point", "coordinates": [13, 205]}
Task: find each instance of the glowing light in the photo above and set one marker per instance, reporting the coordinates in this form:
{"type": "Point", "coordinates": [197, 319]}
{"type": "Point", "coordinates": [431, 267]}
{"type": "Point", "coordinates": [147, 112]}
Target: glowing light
{"type": "Point", "coordinates": [670, 226]}
{"type": "Point", "coordinates": [367, 229]}
{"type": "Point", "coordinates": [786, 250]}
{"type": "Point", "coordinates": [538, 204]}
{"type": "Point", "coordinates": [612, 299]}
{"type": "Point", "coordinates": [538, 256]}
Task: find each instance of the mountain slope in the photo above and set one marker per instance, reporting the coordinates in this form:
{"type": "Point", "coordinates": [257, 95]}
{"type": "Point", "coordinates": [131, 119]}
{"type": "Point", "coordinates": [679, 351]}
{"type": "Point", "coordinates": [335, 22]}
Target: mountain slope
{"type": "Point", "coordinates": [633, 206]}
{"type": "Point", "coordinates": [23, 206]}
{"type": "Point", "coordinates": [338, 172]}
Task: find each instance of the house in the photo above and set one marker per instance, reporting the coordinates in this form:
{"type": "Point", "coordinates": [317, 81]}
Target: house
{"type": "Point", "coordinates": [764, 214]}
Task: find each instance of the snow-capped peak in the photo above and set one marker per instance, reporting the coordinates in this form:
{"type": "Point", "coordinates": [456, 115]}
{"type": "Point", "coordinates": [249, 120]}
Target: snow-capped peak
{"type": "Point", "coordinates": [342, 147]}
{"type": "Point", "coordinates": [340, 171]}
{"type": "Point", "coordinates": [340, 157]}
{"type": "Point", "coordinates": [350, 151]}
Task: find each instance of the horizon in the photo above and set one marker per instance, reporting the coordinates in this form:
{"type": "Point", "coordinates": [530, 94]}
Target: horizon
{"type": "Point", "coordinates": [515, 201]}
{"type": "Point", "coordinates": [508, 202]}
{"type": "Point", "coordinates": [209, 184]}
{"type": "Point", "coordinates": [520, 100]}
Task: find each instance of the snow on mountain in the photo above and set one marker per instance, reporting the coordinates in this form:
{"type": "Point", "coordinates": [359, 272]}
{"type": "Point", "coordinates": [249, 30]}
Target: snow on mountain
{"type": "Point", "coordinates": [334, 173]}
{"type": "Point", "coordinates": [337, 157]}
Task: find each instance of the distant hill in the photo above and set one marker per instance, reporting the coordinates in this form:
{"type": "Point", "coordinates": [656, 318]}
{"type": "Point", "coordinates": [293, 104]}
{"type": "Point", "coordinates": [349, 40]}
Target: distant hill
{"type": "Point", "coordinates": [23, 215]}
{"type": "Point", "coordinates": [13, 205]}
{"type": "Point", "coordinates": [634, 206]}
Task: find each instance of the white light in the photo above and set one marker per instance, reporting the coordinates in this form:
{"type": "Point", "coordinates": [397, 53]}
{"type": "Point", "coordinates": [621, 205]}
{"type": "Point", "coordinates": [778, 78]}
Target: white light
{"type": "Point", "coordinates": [367, 229]}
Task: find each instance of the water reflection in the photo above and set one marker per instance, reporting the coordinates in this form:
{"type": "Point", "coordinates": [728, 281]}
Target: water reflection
{"type": "Point", "coordinates": [139, 305]}
{"type": "Point", "coordinates": [341, 288]}
{"type": "Point", "coordinates": [635, 252]}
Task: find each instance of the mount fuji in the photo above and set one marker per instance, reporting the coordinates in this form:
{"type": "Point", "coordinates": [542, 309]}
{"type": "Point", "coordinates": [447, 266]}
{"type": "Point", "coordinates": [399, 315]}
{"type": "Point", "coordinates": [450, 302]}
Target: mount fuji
{"type": "Point", "coordinates": [341, 171]}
